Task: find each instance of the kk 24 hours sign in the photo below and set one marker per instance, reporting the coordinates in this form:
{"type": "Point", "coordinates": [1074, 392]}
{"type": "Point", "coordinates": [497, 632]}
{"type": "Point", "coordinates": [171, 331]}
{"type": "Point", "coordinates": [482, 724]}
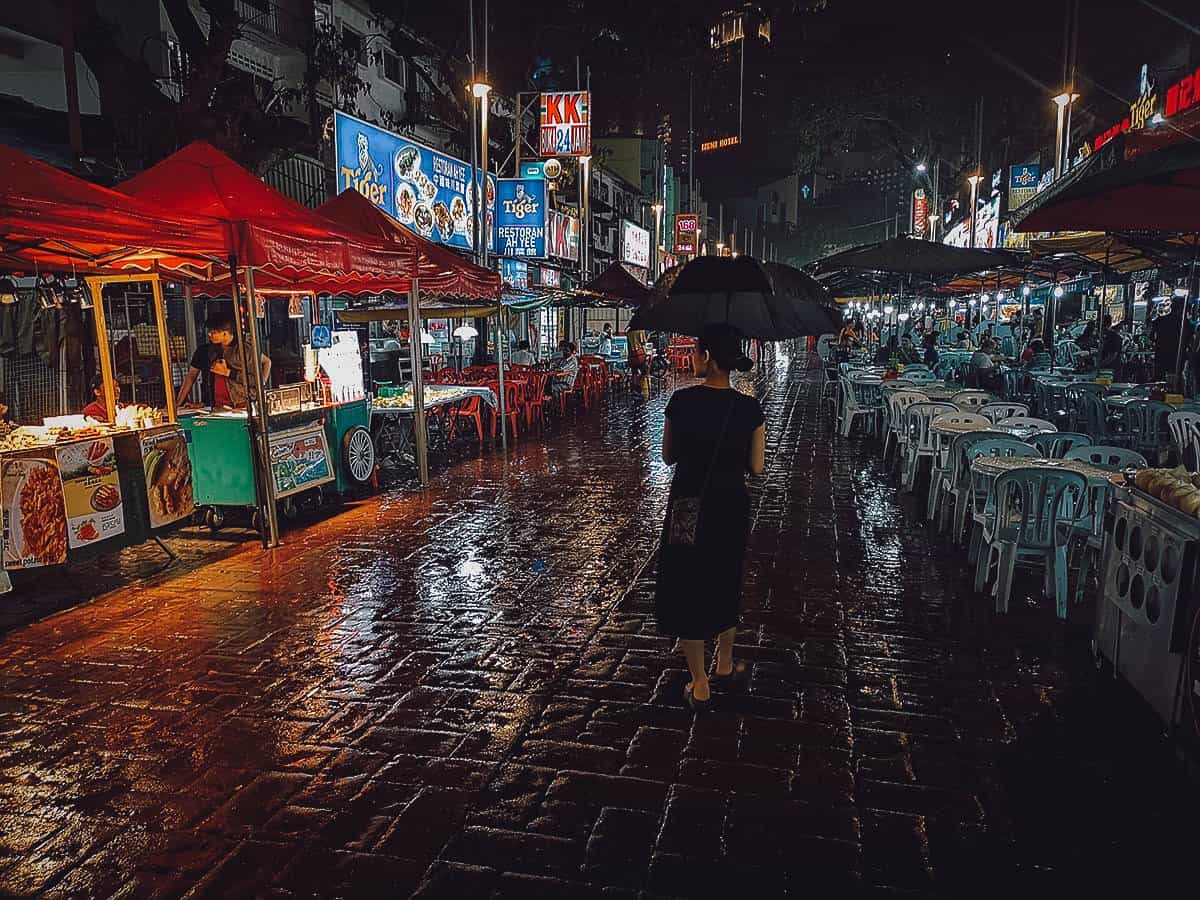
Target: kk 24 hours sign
{"type": "Point", "coordinates": [566, 125]}
{"type": "Point", "coordinates": [521, 217]}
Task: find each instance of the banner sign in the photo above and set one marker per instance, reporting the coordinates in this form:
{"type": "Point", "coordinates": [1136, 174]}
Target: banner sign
{"type": "Point", "coordinates": [562, 236]}
{"type": "Point", "coordinates": [521, 217]}
{"type": "Point", "coordinates": [548, 277]}
{"type": "Point", "coordinates": [635, 244]}
{"type": "Point", "coordinates": [35, 520]}
{"type": "Point", "coordinates": [300, 459]}
{"type": "Point", "coordinates": [687, 227]}
{"type": "Point", "coordinates": [566, 125]}
{"type": "Point", "coordinates": [920, 213]}
{"type": "Point", "coordinates": [533, 169]}
{"type": "Point", "coordinates": [425, 191]}
{"type": "Point", "coordinates": [1023, 184]}
{"type": "Point", "coordinates": [91, 491]}
{"type": "Point", "coordinates": [168, 470]}
{"type": "Point", "coordinates": [514, 273]}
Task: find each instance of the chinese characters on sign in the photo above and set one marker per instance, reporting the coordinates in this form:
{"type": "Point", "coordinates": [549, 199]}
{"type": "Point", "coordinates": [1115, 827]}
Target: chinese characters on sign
{"type": "Point", "coordinates": [514, 273]}
{"type": "Point", "coordinates": [426, 191]}
{"type": "Point", "coordinates": [635, 245]}
{"type": "Point", "coordinates": [521, 217]}
{"type": "Point", "coordinates": [566, 125]}
{"type": "Point", "coordinates": [550, 277]}
{"type": "Point", "coordinates": [686, 227]}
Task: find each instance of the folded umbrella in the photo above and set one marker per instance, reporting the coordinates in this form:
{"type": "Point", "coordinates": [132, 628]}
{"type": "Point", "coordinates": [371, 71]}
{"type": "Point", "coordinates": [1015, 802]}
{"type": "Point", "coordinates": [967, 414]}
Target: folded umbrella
{"type": "Point", "coordinates": [767, 301]}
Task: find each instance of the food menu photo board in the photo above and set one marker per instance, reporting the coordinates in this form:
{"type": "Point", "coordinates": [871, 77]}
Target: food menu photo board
{"type": "Point", "coordinates": [426, 191]}
{"type": "Point", "coordinates": [91, 491]}
{"type": "Point", "coordinates": [35, 522]}
{"type": "Point", "coordinates": [168, 472]}
{"type": "Point", "coordinates": [300, 459]}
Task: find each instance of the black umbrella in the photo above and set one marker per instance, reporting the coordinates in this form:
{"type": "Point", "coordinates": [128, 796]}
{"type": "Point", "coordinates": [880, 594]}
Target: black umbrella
{"type": "Point", "coordinates": [907, 255]}
{"type": "Point", "coordinates": [767, 301]}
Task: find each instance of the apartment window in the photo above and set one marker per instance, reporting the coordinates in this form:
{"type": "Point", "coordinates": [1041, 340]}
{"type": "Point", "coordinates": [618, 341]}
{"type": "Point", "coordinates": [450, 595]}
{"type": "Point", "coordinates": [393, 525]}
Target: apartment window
{"type": "Point", "coordinates": [393, 68]}
{"type": "Point", "coordinates": [352, 41]}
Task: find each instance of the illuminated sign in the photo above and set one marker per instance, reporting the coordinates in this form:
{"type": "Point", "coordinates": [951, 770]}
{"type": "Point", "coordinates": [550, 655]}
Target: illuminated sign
{"type": "Point", "coordinates": [566, 126]}
{"type": "Point", "coordinates": [1022, 184]}
{"type": "Point", "coordinates": [687, 227]}
{"type": "Point", "coordinates": [1184, 94]}
{"type": "Point", "coordinates": [635, 244]}
{"type": "Point", "coordinates": [550, 277]}
{"type": "Point", "coordinates": [562, 236]}
{"type": "Point", "coordinates": [720, 143]}
{"type": "Point", "coordinates": [520, 217]}
{"type": "Point", "coordinates": [514, 273]}
{"type": "Point", "coordinates": [920, 213]}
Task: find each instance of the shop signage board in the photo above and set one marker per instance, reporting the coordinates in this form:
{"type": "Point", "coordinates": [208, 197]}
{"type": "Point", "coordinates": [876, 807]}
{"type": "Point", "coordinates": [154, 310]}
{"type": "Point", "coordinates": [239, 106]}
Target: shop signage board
{"type": "Point", "coordinates": [687, 227]}
{"type": "Point", "coordinates": [168, 471]}
{"type": "Point", "coordinates": [987, 224]}
{"type": "Point", "coordinates": [521, 217]}
{"type": "Point", "coordinates": [300, 459]}
{"type": "Point", "coordinates": [550, 277]}
{"type": "Point", "coordinates": [514, 273]}
{"type": "Point", "coordinates": [562, 236]}
{"type": "Point", "coordinates": [425, 191]}
{"type": "Point", "coordinates": [91, 491]}
{"type": "Point", "coordinates": [566, 124]}
{"type": "Point", "coordinates": [920, 213]}
{"type": "Point", "coordinates": [341, 362]}
{"type": "Point", "coordinates": [533, 169]}
{"type": "Point", "coordinates": [1023, 183]}
{"type": "Point", "coordinates": [35, 520]}
{"type": "Point", "coordinates": [635, 244]}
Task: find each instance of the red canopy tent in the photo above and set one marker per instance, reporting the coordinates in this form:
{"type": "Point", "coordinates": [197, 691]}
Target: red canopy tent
{"type": "Point", "coordinates": [50, 219]}
{"type": "Point", "coordinates": [440, 270]}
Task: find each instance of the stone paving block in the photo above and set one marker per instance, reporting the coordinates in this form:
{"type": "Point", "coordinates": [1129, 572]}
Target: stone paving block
{"type": "Point", "coordinates": [608, 790]}
{"type": "Point", "coordinates": [516, 851]}
{"type": "Point", "coordinates": [619, 848]}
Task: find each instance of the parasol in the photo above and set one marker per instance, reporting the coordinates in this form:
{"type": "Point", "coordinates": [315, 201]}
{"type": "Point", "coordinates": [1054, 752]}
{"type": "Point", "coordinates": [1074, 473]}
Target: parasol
{"type": "Point", "coordinates": [767, 301]}
{"type": "Point", "coordinates": [911, 256]}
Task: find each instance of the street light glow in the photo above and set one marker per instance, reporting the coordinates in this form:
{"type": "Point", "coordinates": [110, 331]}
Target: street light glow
{"type": "Point", "coordinates": [1058, 291]}
{"type": "Point", "coordinates": [1064, 98]}
{"type": "Point", "coordinates": [480, 89]}
{"type": "Point", "coordinates": [922, 168]}
{"type": "Point", "coordinates": [1025, 291]}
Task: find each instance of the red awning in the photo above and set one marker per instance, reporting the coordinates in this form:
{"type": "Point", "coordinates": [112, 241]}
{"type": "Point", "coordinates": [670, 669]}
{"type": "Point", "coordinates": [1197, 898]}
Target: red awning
{"type": "Point", "coordinates": [50, 219]}
{"type": "Point", "coordinates": [440, 270]}
{"type": "Point", "coordinates": [287, 244]}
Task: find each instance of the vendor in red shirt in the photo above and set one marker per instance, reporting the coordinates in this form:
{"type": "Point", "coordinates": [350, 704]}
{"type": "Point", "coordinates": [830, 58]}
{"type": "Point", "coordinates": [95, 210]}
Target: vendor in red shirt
{"type": "Point", "coordinates": [220, 362]}
{"type": "Point", "coordinates": [98, 409]}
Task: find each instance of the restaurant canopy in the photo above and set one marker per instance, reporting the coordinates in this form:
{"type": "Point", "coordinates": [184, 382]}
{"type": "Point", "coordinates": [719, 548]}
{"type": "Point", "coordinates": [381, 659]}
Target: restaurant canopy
{"type": "Point", "coordinates": [52, 220]}
{"type": "Point", "coordinates": [615, 286]}
{"type": "Point", "coordinates": [909, 255]}
{"type": "Point", "coordinates": [288, 245]}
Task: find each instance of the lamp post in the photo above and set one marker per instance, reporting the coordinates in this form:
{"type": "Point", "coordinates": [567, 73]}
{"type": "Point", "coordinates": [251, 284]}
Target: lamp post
{"type": "Point", "coordinates": [656, 259]}
{"type": "Point", "coordinates": [1062, 101]}
{"type": "Point", "coordinates": [481, 90]}
{"type": "Point", "coordinates": [922, 168]}
{"type": "Point", "coordinates": [974, 181]}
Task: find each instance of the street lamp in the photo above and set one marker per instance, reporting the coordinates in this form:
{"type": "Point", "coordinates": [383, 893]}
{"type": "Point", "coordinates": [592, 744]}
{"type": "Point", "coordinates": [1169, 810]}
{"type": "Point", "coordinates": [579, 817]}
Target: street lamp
{"type": "Point", "coordinates": [480, 91]}
{"type": "Point", "coordinates": [974, 180]}
{"type": "Point", "coordinates": [1062, 101]}
{"type": "Point", "coordinates": [922, 168]}
{"type": "Point", "coordinates": [658, 209]}
{"type": "Point", "coordinates": [720, 248]}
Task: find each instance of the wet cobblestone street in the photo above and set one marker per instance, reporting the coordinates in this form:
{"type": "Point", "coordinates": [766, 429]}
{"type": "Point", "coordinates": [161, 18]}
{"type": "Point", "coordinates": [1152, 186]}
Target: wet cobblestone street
{"type": "Point", "coordinates": [462, 695]}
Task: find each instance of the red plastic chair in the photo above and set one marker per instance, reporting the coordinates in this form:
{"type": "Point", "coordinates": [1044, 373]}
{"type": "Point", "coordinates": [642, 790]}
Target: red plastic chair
{"type": "Point", "coordinates": [533, 403]}
{"type": "Point", "coordinates": [512, 409]}
{"type": "Point", "coordinates": [471, 409]}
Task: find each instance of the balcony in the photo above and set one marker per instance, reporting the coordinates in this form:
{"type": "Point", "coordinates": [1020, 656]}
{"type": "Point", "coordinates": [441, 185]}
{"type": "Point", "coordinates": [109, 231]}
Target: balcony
{"type": "Point", "coordinates": [280, 22]}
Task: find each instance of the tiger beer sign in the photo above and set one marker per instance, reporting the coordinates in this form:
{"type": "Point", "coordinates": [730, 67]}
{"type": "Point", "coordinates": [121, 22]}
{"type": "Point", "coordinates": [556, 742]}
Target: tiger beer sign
{"type": "Point", "coordinates": [566, 126]}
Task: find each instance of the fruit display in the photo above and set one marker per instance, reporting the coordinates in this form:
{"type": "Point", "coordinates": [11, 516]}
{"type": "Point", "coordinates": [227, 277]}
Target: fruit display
{"type": "Point", "coordinates": [1176, 487]}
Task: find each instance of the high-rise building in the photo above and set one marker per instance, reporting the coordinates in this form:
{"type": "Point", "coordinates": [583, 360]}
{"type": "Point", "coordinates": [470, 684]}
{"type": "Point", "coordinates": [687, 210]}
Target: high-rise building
{"type": "Point", "coordinates": [731, 96]}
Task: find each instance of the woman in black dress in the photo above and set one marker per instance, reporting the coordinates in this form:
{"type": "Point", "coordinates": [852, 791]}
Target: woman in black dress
{"type": "Point", "coordinates": [713, 435]}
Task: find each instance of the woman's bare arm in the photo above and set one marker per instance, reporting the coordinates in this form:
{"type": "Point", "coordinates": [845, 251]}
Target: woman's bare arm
{"type": "Point", "coordinates": [758, 450]}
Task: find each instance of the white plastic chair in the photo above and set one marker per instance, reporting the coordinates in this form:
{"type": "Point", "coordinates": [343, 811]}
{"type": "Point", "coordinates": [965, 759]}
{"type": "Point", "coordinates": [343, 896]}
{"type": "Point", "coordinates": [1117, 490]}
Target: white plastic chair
{"type": "Point", "coordinates": [919, 440]}
{"type": "Point", "coordinates": [942, 459]}
{"type": "Point", "coordinates": [1185, 435]}
{"type": "Point", "coordinates": [895, 434]}
{"type": "Point", "coordinates": [860, 399]}
{"type": "Point", "coordinates": [972, 398]}
{"type": "Point", "coordinates": [994, 412]}
{"type": "Point", "coordinates": [921, 376]}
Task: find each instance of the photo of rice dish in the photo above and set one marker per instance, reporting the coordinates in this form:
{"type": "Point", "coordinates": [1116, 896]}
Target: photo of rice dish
{"type": "Point", "coordinates": [407, 162]}
{"type": "Point", "coordinates": [406, 201]}
{"type": "Point", "coordinates": [458, 212]}
{"type": "Point", "coordinates": [423, 219]}
{"type": "Point", "coordinates": [168, 472]}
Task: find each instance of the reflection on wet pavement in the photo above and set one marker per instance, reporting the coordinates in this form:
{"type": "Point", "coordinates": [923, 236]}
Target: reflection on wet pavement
{"type": "Point", "coordinates": [461, 694]}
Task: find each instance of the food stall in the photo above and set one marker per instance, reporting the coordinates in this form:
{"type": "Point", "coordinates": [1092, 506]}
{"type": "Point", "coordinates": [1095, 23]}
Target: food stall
{"type": "Point", "coordinates": [74, 487]}
{"type": "Point", "coordinates": [318, 434]}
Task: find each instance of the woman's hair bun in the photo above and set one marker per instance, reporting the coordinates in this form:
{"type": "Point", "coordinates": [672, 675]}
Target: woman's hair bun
{"type": "Point", "coordinates": [723, 344]}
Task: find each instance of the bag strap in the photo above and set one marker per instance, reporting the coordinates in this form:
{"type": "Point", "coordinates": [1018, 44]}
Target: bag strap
{"type": "Point", "coordinates": [720, 440]}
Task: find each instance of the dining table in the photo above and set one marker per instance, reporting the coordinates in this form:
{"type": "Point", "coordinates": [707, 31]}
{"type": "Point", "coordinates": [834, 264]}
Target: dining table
{"type": "Point", "coordinates": [1024, 431]}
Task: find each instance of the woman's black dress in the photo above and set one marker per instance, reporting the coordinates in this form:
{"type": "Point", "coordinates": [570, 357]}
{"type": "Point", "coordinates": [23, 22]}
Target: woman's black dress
{"type": "Point", "coordinates": [700, 586]}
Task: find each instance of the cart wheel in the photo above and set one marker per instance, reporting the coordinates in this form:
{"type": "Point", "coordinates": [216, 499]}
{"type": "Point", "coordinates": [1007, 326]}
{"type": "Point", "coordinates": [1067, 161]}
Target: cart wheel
{"type": "Point", "coordinates": [256, 521]}
{"type": "Point", "coordinates": [358, 454]}
{"type": "Point", "coordinates": [214, 518]}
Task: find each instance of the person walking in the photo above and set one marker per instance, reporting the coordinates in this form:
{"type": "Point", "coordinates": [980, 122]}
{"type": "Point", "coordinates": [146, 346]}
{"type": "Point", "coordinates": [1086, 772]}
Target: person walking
{"type": "Point", "coordinates": [713, 435]}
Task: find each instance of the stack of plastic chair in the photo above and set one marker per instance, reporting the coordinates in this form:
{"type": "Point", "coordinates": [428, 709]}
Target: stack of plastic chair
{"type": "Point", "coordinates": [861, 399]}
{"type": "Point", "coordinates": [994, 412]}
{"type": "Point", "coordinates": [1052, 402]}
{"type": "Point", "coordinates": [1146, 428]}
{"type": "Point", "coordinates": [471, 410]}
{"type": "Point", "coordinates": [1056, 444]}
{"type": "Point", "coordinates": [1092, 418]}
{"type": "Point", "coordinates": [977, 499]}
{"type": "Point", "coordinates": [1185, 435]}
{"type": "Point", "coordinates": [1115, 459]}
{"type": "Point", "coordinates": [919, 440]}
{"type": "Point", "coordinates": [1073, 393]}
{"type": "Point", "coordinates": [943, 460]}
{"type": "Point", "coordinates": [1037, 514]}
{"type": "Point", "coordinates": [972, 398]}
{"type": "Point", "coordinates": [895, 434]}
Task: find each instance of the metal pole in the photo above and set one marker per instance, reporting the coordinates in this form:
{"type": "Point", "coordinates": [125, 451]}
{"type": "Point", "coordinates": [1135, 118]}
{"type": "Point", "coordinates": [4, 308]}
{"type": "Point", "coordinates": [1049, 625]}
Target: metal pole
{"type": "Point", "coordinates": [937, 214]}
{"type": "Point", "coordinates": [500, 373]}
{"type": "Point", "coordinates": [483, 132]}
{"type": "Point", "coordinates": [480, 214]}
{"type": "Point", "coordinates": [264, 434]}
{"type": "Point", "coordinates": [691, 146]}
{"type": "Point", "coordinates": [418, 380]}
